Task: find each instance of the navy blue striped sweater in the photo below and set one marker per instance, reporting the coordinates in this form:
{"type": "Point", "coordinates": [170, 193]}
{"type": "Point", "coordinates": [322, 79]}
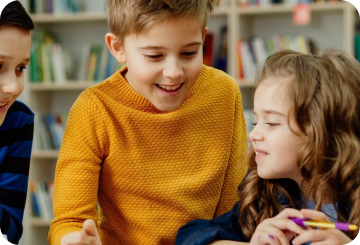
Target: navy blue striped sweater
{"type": "Point", "coordinates": [16, 134]}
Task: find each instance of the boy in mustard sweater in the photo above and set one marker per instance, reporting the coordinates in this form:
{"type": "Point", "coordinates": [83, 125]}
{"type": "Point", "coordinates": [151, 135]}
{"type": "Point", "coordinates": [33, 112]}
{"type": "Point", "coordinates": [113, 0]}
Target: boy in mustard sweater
{"type": "Point", "coordinates": [159, 143]}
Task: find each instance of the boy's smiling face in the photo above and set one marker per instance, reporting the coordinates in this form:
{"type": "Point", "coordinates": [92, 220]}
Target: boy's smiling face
{"type": "Point", "coordinates": [164, 61]}
{"type": "Point", "coordinates": [15, 46]}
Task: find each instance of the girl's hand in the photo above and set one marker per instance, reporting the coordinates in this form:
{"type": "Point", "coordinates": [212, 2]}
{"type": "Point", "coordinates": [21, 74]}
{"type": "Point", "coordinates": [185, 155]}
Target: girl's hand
{"type": "Point", "coordinates": [320, 237]}
{"type": "Point", "coordinates": [278, 230]}
{"type": "Point", "coordinates": [87, 236]}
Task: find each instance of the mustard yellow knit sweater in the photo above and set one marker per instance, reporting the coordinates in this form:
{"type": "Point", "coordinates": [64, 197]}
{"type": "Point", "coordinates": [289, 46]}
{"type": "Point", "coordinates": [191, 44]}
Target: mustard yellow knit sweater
{"type": "Point", "coordinates": [150, 171]}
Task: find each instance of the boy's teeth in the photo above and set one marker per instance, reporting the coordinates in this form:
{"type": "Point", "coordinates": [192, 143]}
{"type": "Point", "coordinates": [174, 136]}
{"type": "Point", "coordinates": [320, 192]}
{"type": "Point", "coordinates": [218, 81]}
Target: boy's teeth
{"type": "Point", "coordinates": [170, 88]}
{"type": "Point", "coordinates": [260, 153]}
{"type": "Point", "coordinates": [3, 104]}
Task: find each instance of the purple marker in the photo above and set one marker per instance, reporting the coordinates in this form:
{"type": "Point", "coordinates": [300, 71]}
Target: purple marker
{"type": "Point", "coordinates": [340, 226]}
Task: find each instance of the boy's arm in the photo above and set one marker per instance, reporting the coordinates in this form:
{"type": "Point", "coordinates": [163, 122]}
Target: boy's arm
{"type": "Point", "coordinates": [14, 172]}
{"type": "Point", "coordinates": [237, 164]}
{"type": "Point", "coordinates": [78, 168]}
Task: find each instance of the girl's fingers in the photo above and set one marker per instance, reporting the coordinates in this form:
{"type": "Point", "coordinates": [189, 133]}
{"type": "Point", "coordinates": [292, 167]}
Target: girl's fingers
{"type": "Point", "coordinates": [290, 212]}
{"type": "Point", "coordinates": [264, 238]}
{"type": "Point", "coordinates": [310, 235]}
{"type": "Point", "coordinates": [314, 215]}
{"type": "Point", "coordinates": [285, 224]}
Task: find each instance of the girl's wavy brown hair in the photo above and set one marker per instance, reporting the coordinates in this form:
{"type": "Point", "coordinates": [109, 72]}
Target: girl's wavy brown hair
{"type": "Point", "coordinates": [324, 92]}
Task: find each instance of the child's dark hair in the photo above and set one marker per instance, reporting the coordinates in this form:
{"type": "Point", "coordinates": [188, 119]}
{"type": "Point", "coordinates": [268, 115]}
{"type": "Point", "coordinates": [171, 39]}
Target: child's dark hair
{"type": "Point", "coordinates": [324, 96]}
{"type": "Point", "coordinates": [14, 14]}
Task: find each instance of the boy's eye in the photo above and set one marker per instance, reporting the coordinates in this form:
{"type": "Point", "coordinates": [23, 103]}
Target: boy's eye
{"type": "Point", "coordinates": [21, 68]}
{"type": "Point", "coordinates": [254, 123]}
{"type": "Point", "coordinates": [153, 57]}
{"type": "Point", "coordinates": [190, 54]}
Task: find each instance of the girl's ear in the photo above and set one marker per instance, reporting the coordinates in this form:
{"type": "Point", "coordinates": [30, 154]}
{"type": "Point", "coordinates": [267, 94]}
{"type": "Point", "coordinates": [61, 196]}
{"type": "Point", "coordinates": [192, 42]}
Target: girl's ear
{"type": "Point", "coordinates": [115, 47]}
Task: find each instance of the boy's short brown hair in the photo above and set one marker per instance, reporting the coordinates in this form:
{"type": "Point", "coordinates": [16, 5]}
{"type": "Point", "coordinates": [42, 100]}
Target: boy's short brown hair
{"type": "Point", "coordinates": [134, 16]}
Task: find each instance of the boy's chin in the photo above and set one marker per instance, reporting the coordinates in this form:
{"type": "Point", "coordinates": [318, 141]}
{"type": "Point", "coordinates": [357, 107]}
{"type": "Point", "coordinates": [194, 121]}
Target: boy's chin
{"type": "Point", "coordinates": [166, 107]}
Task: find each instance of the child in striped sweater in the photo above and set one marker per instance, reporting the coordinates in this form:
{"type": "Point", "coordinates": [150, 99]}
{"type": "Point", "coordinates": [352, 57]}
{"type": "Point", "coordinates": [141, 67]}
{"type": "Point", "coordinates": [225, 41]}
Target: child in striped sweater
{"type": "Point", "coordinates": [16, 119]}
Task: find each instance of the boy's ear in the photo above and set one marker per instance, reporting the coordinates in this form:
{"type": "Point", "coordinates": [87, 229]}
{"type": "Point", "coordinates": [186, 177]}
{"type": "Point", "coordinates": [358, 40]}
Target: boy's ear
{"type": "Point", "coordinates": [204, 34]}
{"type": "Point", "coordinates": [115, 47]}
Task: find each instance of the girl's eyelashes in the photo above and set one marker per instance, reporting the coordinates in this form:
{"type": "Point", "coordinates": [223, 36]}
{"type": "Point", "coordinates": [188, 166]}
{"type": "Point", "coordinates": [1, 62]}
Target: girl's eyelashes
{"type": "Point", "coordinates": [272, 124]}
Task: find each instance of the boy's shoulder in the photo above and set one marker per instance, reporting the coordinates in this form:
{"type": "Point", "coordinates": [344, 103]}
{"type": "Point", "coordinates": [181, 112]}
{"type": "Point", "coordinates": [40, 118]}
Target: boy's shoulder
{"type": "Point", "coordinates": [19, 106]}
{"type": "Point", "coordinates": [219, 76]}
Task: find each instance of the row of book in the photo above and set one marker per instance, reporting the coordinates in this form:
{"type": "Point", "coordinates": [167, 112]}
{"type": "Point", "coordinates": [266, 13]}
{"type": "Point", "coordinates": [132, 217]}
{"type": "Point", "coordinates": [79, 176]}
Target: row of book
{"type": "Point", "coordinates": [265, 3]}
{"type": "Point", "coordinates": [47, 59]}
{"type": "Point", "coordinates": [97, 63]}
{"type": "Point", "coordinates": [55, 6]}
{"type": "Point", "coordinates": [221, 3]}
{"type": "Point", "coordinates": [253, 52]}
{"type": "Point", "coordinates": [42, 193]}
{"type": "Point", "coordinates": [49, 131]}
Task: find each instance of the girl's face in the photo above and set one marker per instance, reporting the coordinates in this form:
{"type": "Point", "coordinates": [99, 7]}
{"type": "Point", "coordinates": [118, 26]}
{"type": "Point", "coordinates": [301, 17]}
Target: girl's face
{"type": "Point", "coordinates": [15, 46]}
{"type": "Point", "coordinates": [275, 145]}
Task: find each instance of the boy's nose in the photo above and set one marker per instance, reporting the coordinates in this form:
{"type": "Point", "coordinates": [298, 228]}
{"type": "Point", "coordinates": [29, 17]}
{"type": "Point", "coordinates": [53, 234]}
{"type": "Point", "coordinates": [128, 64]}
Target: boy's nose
{"type": "Point", "coordinates": [10, 85]}
{"type": "Point", "coordinates": [173, 70]}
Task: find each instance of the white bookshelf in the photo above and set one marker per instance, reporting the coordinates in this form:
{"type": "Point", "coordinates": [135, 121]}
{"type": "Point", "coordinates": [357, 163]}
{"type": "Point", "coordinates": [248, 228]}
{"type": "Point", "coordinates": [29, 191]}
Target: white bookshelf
{"type": "Point", "coordinates": [335, 20]}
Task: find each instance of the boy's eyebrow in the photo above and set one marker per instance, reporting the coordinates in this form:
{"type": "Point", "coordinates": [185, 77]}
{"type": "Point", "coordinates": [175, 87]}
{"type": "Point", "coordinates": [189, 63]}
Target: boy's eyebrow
{"type": "Point", "coordinates": [160, 47]}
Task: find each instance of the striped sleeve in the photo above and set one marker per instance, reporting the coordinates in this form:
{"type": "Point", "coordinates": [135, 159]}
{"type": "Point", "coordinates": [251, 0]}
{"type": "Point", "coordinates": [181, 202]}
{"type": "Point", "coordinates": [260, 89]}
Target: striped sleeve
{"type": "Point", "coordinates": [16, 134]}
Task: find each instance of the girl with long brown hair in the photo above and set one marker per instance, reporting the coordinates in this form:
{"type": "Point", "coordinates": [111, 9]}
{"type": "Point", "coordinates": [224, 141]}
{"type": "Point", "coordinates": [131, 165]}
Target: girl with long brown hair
{"type": "Point", "coordinates": [305, 156]}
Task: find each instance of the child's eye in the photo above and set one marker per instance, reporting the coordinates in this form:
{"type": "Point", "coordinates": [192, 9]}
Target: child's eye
{"type": "Point", "coordinates": [190, 54]}
{"type": "Point", "coordinates": [272, 124]}
{"type": "Point", "coordinates": [254, 123]}
{"type": "Point", "coordinates": [21, 68]}
{"type": "Point", "coordinates": [153, 57]}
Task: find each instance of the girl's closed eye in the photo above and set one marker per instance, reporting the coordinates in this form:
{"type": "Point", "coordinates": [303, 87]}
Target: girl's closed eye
{"type": "Point", "coordinates": [273, 124]}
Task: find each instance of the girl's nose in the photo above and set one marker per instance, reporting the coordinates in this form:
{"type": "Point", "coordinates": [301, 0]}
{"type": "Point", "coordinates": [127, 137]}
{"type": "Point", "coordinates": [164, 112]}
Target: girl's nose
{"type": "Point", "coordinates": [256, 135]}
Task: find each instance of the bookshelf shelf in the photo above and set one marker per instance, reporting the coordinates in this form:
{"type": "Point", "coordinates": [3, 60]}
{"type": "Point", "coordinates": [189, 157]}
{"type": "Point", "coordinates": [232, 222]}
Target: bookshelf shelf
{"type": "Point", "coordinates": [45, 154]}
{"type": "Point", "coordinates": [61, 18]}
{"type": "Point", "coordinates": [70, 85]}
{"type": "Point", "coordinates": [35, 221]}
{"type": "Point", "coordinates": [283, 8]}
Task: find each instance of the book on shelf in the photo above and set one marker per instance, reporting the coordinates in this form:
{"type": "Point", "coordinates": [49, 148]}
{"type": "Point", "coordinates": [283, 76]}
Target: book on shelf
{"type": "Point", "coordinates": [42, 199]}
{"type": "Point", "coordinates": [253, 52]}
{"type": "Point", "coordinates": [97, 63]}
{"type": "Point", "coordinates": [47, 60]}
{"type": "Point", "coordinates": [55, 6]}
{"type": "Point", "coordinates": [267, 3]}
{"type": "Point", "coordinates": [49, 131]}
{"type": "Point", "coordinates": [208, 49]}
{"type": "Point", "coordinates": [357, 46]}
